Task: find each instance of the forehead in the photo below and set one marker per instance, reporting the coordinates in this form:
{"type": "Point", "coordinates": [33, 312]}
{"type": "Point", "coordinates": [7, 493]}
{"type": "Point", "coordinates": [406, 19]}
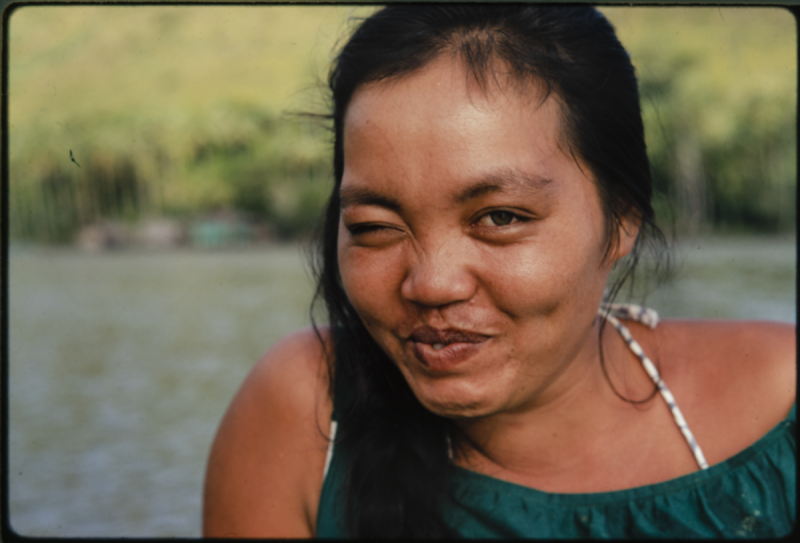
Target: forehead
{"type": "Point", "coordinates": [431, 89]}
{"type": "Point", "coordinates": [441, 123]}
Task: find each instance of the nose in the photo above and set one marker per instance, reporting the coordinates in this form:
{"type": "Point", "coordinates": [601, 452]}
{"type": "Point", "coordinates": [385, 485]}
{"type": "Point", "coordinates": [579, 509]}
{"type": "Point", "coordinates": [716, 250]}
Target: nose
{"type": "Point", "coordinates": [439, 277]}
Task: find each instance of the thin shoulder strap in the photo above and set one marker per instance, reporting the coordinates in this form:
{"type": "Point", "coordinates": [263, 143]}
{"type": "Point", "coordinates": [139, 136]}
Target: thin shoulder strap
{"type": "Point", "coordinates": [341, 398]}
{"type": "Point", "coordinates": [648, 317]}
{"type": "Point", "coordinates": [329, 455]}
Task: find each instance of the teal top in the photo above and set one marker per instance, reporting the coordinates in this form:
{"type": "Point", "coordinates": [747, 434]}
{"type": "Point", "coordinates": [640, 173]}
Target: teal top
{"type": "Point", "coordinates": [752, 494]}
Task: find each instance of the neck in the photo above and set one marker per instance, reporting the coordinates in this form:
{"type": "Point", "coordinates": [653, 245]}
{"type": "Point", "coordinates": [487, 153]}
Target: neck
{"type": "Point", "coordinates": [565, 424]}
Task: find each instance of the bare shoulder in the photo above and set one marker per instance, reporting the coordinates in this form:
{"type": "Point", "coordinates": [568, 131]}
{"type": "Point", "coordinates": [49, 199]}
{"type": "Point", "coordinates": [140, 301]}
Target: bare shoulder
{"type": "Point", "coordinates": [264, 472]}
{"type": "Point", "coordinates": [734, 380]}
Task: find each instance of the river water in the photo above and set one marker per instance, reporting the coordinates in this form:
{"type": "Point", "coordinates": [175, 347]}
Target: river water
{"type": "Point", "coordinates": [122, 364]}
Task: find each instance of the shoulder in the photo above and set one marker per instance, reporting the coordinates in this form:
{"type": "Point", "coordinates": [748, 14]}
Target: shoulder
{"type": "Point", "coordinates": [734, 380]}
{"type": "Point", "coordinates": [264, 472]}
{"type": "Point", "coordinates": [735, 356]}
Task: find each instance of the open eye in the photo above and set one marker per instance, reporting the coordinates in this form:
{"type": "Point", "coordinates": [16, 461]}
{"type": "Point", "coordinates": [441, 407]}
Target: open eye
{"type": "Point", "coordinates": [499, 217]}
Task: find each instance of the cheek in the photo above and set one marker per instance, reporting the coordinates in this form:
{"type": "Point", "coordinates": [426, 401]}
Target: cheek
{"type": "Point", "coordinates": [371, 282]}
{"type": "Point", "coordinates": [562, 266]}
{"type": "Point", "coordinates": [533, 284]}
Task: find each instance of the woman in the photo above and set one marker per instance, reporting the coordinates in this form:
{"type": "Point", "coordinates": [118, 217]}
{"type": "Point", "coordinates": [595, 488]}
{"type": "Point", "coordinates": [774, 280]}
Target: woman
{"type": "Point", "coordinates": [490, 172]}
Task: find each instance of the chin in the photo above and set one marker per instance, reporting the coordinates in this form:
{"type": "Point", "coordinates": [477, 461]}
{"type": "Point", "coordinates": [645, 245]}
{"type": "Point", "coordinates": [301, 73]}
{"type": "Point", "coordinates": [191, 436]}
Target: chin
{"type": "Point", "coordinates": [454, 401]}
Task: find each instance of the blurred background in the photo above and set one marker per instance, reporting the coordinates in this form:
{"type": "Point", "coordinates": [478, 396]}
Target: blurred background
{"type": "Point", "coordinates": [168, 166]}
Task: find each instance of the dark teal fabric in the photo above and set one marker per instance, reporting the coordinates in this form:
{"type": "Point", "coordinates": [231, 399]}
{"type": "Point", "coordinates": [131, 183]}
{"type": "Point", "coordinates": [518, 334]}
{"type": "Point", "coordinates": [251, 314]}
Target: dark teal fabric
{"type": "Point", "coordinates": [752, 494]}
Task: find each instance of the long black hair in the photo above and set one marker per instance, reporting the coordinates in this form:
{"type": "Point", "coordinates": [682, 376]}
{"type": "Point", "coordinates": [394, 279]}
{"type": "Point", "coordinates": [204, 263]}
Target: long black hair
{"type": "Point", "coordinates": [397, 450]}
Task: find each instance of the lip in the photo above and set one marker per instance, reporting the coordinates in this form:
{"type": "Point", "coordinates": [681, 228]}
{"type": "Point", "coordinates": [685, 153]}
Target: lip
{"type": "Point", "coordinates": [457, 346]}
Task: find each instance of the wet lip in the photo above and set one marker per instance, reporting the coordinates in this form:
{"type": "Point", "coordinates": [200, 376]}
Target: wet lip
{"type": "Point", "coordinates": [432, 336]}
{"type": "Point", "coordinates": [443, 349]}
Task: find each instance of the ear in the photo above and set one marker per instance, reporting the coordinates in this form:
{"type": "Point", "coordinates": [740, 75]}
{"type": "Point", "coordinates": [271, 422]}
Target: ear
{"type": "Point", "coordinates": [627, 232]}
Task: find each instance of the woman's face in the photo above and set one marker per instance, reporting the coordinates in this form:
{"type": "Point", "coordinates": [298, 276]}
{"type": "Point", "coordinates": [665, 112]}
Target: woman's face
{"type": "Point", "coordinates": [470, 244]}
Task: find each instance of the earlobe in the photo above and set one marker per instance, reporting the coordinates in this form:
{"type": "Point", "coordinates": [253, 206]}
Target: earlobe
{"type": "Point", "coordinates": [627, 232]}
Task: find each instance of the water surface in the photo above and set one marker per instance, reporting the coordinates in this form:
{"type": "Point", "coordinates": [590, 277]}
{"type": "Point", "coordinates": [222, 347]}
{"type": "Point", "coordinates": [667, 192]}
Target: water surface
{"type": "Point", "coordinates": [122, 364]}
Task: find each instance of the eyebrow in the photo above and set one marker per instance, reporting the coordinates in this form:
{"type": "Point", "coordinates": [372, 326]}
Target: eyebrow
{"type": "Point", "coordinates": [504, 181]}
{"type": "Point", "coordinates": [363, 196]}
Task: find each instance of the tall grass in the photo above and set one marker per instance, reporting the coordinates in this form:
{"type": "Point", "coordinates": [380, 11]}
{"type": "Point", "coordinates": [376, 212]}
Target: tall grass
{"type": "Point", "coordinates": [170, 111]}
{"type": "Point", "coordinates": [719, 99]}
{"type": "Point", "coordinates": [183, 110]}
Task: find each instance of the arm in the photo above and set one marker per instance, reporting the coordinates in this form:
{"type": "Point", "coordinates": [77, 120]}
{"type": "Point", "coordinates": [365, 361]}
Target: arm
{"type": "Point", "coordinates": [264, 473]}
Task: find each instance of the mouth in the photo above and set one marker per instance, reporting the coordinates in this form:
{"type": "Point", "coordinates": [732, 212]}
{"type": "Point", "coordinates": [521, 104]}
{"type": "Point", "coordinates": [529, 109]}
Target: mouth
{"type": "Point", "coordinates": [443, 349]}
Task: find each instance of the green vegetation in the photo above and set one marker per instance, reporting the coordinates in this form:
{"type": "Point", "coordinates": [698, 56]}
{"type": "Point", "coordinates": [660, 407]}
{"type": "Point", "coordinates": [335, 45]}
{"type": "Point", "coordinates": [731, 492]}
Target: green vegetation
{"type": "Point", "coordinates": [176, 111]}
{"type": "Point", "coordinates": [719, 100]}
{"type": "Point", "coordinates": [179, 111]}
